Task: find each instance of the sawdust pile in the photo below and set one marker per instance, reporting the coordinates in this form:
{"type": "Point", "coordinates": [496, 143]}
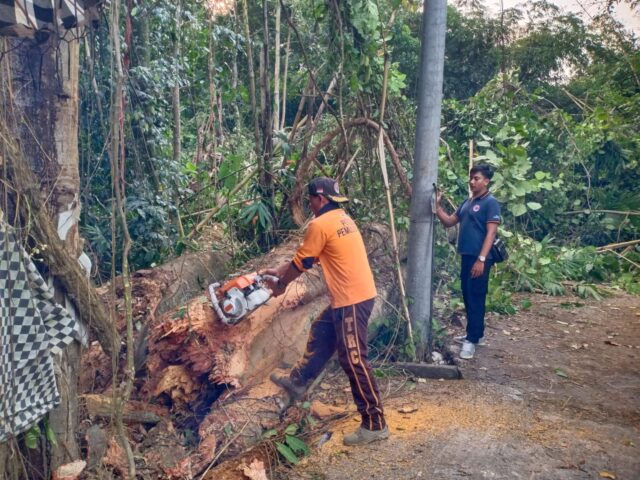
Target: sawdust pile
{"type": "Point", "coordinates": [436, 418]}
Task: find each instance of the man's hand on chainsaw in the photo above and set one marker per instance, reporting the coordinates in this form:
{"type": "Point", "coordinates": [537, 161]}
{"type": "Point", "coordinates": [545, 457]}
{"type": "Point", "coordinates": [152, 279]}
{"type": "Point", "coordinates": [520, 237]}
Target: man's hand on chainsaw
{"type": "Point", "coordinates": [277, 287]}
{"type": "Point", "coordinates": [286, 273]}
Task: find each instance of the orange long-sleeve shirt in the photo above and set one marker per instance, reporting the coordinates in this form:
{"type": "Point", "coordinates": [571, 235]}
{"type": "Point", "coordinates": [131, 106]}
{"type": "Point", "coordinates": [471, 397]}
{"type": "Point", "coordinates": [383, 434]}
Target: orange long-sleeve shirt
{"type": "Point", "coordinates": [334, 240]}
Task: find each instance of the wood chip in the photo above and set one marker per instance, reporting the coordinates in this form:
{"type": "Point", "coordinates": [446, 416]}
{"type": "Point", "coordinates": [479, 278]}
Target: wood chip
{"type": "Point", "coordinates": [322, 410]}
{"type": "Point", "coordinates": [605, 474]}
{"type": "Point", "coordinates": [255, 471]}
{"type": "Point", "coordinates": [69, 471]}
{"type": "Point", "coordinates": [408, 409]}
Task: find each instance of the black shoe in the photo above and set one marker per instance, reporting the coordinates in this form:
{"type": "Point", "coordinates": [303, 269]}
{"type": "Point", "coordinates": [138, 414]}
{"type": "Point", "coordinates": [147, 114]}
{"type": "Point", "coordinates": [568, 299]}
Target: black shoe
{"type": "Point", "coordinates": [295, 391]}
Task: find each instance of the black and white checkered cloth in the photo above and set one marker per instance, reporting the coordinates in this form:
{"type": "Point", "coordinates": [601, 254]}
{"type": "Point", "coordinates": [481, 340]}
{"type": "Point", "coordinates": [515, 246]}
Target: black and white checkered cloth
{"type": "Point", "coordinates": [34, 327]}
{"type": "Point", "coordinates": [23, 18]}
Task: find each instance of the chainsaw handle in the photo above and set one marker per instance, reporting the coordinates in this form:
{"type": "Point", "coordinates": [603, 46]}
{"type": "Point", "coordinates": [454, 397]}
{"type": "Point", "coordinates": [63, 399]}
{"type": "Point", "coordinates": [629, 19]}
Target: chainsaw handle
{"type": "Point", "coordinates": [212, 293]}
{"type": "Point", "coordinates": [269, 278]}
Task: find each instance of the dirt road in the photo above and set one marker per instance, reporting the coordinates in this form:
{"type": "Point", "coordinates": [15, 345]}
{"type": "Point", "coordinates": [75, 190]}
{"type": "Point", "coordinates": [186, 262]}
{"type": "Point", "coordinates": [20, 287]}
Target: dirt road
{"type": "Point", "coordinates": [554, 395]}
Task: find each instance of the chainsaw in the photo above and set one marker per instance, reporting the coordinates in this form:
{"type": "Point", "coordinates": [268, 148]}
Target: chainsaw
{"type": "Point", "coordinates": [240, 296]}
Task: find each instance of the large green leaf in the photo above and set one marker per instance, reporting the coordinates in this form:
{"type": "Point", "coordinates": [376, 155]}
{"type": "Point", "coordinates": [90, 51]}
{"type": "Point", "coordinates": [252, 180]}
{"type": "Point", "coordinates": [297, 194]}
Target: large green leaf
{"type": "Point", "coordinates": [49, 433]}
{"type": "Point", "coordinates": [32, 436]}
{"type": "Point", "coordinates": [287, 453]}
{"type": "Point", "coordinates": [297, 445]}
{"type": "Point", "coordinates": [291, 429]}
{"type": "Point", "coordinates": [518, 209]}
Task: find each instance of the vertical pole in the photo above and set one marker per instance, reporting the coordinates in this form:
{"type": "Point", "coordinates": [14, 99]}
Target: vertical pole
{"type": "Point", "coordinates": [470, 163]}
{"type": "Point", "coordinates": [425, 174]}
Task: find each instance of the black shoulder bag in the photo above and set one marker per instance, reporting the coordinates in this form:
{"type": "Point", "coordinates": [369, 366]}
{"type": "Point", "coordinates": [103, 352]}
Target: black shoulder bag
{"type": "Point", "coordinates": [499, 251]}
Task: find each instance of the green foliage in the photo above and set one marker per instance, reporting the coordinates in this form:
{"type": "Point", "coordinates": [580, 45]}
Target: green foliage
{"type": "Point", "coordinates": [297, 445]}
{"type": "Point", "coordinates": [551, 103]}
{"type": "Point", "coordinates": [292, 447]}
{"type": "Point", "coordinates": [287, 453]}
{"type": "Point", "coordinates": [33, 435]}
{"type": "Point", "coordinates": [551, 269]}
{"type": "Point", "coordinates": [256, 213]}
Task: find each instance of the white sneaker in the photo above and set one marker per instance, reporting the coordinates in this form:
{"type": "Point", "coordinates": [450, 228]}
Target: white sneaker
{"type": "Point", "coordinates": [468, 349]}
{"type": "Point", "coordinates": [463, 338]}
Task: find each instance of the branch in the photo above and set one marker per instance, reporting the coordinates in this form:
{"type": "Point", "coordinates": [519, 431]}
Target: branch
{"type": "Point", "coordinates": [613, 246]}
{"type": "Point", "coordinates": [589, 211]}
{"type": "Point", "coordinates": [220, 205]}
{"type": "Point", "coordinates": [305, 163]}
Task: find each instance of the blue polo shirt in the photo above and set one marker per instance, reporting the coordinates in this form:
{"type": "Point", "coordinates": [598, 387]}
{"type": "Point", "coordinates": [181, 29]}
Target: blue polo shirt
{"type": "Point", "coordinates": [474, 214]}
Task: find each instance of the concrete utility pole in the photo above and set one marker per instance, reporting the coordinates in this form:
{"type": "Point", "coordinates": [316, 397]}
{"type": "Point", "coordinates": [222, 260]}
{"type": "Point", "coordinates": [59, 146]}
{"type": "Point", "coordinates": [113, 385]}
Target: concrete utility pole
{"type": "Point", "coordinates": [425, 174]}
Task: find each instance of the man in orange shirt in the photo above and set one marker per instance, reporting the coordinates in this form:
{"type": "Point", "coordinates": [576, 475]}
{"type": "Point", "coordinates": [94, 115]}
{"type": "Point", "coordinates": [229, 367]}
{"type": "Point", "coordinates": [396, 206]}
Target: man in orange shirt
{"type": "Point", "coordinates": [334, 241]}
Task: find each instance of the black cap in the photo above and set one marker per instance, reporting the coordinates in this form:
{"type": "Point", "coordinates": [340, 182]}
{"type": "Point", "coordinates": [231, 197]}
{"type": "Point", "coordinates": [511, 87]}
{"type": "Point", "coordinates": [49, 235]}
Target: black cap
{"type": "Point", "coordinates": [327, 187]}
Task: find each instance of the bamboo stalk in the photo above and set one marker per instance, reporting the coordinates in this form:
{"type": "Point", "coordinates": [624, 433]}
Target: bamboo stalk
{"type": "Point", "coordinates": [283, 113]}
{"type": "Point", "coordinates": [276, 71]}
{"type": "Point", "coordinates": [385, 177]}
{"type": "Point", "coordinates": [252, 78]}
{"type": "Point", "coordinates": [611, 246]}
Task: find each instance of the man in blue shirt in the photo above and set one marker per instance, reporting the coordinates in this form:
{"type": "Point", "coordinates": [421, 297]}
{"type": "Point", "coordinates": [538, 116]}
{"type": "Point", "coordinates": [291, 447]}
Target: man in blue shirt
{"type": "Point", "coordinates": [479, 217]}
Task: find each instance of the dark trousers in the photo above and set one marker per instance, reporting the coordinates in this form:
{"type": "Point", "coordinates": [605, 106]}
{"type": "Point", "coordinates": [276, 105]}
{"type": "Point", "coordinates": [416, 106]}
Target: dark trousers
{"type": "Point", "coordinates": [474, 293]}
{"type": "Point", "coordinates": [344, 329]}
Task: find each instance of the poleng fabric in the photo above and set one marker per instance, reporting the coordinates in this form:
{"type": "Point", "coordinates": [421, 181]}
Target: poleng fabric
{"type": "Point", "coordinates": [33, 328]}
{"type": "Point", "coordinates": [344, 329]}
{"type": "Point", "coordinates": [23, 18]}
{"type": "Point", "coordinates": [334, 239]}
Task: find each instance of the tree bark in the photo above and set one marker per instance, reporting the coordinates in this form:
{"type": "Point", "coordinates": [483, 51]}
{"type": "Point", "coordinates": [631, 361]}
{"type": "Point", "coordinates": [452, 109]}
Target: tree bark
{"type": "Point", "coordinates": [45, 79]}
{"type": "Point", "coordinates": [283, 121]}
{"type": "Point", "coordinates": [276, 71]}
{"type": "Point", "coordinates": [252, 79]}
{"type": "Point", "coordinates": [43, 114]}
{"type": "Point", "coordinates": [266, 118]}
{"type": "Point", "coordinates": [175, 91]}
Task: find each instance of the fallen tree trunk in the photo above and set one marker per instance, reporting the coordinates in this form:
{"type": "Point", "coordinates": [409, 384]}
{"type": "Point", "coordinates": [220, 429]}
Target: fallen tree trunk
{"type": "Point", "coordinates": [192, 352]}
{"type": "Point", "coordinates": [214, 377]}
{"type": "Point", "coordinates": [155, 291]}
{"type": "Point", "coordinates": [195, 359]}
